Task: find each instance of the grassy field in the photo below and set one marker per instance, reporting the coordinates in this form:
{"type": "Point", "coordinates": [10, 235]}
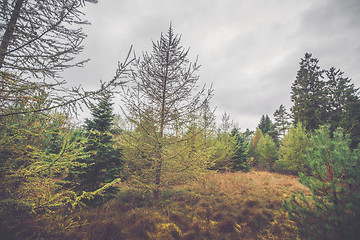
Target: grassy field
{"type": "Point", "coordinates": [217, 206]}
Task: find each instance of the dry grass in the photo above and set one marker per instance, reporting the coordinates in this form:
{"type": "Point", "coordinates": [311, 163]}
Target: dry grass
{"type": "Point", "coordinates": [218, 206]}
{"type": "Point", "coordinates": [249, 202]}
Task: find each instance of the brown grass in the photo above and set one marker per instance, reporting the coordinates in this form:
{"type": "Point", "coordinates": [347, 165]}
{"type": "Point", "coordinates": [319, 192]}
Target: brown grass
{"type": "Point", "coordinates": [217, 206]}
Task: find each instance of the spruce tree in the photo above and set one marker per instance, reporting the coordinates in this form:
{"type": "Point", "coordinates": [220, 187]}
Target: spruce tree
{"type": "Point", "coordinates": [343, 104]}
{"type": "Point", "coordinates": [240, 158]}
{"type": "Point", "coordinates": [332, 211]}
{"type": "Point", "coordinates": [265, 124]}
{"type": "Point", "coordinates": [307, 94]}
{"type": "Point", "coordinates": [104, 162]}
{"type": "Point", "coordinates": [325, 97]}
{"type": "Point", "coordinates": [268, 128]}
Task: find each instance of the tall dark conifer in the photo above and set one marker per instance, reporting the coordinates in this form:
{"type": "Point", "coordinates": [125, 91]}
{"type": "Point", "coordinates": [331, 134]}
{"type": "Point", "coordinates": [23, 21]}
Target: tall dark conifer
{"type": "Point", "coordinates": [265, 124]}
{"type": "Point", "coordinates": [268, 128]}
{"type": "Point", "coordinates": [325, 97]}
{"type": "Point", "coordinates": [307, 94]}
{"type": "Point", "coordinates": [343, 109]}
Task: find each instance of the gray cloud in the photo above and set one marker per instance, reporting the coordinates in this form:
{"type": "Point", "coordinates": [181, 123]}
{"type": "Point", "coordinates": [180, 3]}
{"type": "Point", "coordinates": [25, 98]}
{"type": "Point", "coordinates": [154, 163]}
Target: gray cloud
{"type": "Point", "coordinates": [249, 50]}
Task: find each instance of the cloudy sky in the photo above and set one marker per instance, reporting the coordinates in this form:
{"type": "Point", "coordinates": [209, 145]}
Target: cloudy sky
{"type": "Point", "coordinates": [249, 50]}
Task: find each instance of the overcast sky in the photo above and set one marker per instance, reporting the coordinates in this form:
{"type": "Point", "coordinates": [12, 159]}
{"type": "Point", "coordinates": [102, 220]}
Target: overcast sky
{"type": "Point", "coordinates": [249, 50]}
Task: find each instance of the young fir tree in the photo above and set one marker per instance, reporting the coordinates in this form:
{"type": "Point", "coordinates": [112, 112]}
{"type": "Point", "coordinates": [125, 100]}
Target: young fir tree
{"type": "Point", "coordinates": [240, 158]}
{"type": "Point", "coordinates": [332, 211]}
{"type": "Point", "coordinates": [104, 162]}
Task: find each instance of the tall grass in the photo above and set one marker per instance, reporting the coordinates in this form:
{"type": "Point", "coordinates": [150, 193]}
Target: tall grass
{"type": "Point", "coordinates": [217, 206]}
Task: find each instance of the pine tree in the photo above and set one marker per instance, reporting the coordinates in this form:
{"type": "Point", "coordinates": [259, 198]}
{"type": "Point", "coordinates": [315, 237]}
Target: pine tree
{"type": "Point", "coordinates": [333, 209]}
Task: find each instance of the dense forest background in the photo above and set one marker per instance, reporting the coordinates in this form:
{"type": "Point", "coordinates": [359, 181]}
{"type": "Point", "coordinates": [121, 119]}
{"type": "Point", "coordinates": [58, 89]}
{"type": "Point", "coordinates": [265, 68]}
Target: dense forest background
{"type": "Point", "coordinates": [163, 168]}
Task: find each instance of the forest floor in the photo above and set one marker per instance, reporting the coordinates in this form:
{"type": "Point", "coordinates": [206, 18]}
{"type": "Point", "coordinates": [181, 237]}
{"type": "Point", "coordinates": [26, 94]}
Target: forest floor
{"type": "Point", "coordinates": [217, 206]}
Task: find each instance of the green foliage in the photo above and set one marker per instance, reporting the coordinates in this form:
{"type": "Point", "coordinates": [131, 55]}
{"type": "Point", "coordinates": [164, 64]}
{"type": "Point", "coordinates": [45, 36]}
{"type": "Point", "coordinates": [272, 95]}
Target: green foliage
{"type": "Point", "coordinates": [265, 124]}
{"type": "Point", "coordinates": [31, 167]}
{"type": "Point", "coordinates": [103, 162]}
{"type": "Point", "coordinates": [292, 150]}
{"type": "Point", "coordinates": [222, 153]}
{"type": "Point", "coordinates": [307, 94]}
{"type": "Point", "coordinates": [253, 146]}
{"type": "Point", "coordinates": [240, 159]}
{"type": "Point", "coordinates": [267, 127]}
{"type": "Point", "coordinates": [189, 158]}
{"type": "Point", "coordinates": [163, 93]}
{"type": "Point", "coordinates": [102, 116]}
{"type": "Point", "coordinates": [332, 211]}
{"type": "Point", "coordinates": [325, 97]}
{"type": "Point", "coordinates": [281, 118]}
{"type": "Point", "coordinates": [351, 120]}
{"type": "Point", "coordinates": [267, 152]}
{"type": "Point", "coordinates": [231, 152]}
{"type": "Point", "coordinates": [187, 155]}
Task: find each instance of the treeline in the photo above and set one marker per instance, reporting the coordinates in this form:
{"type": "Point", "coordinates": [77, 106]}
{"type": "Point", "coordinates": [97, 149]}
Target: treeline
{"type": "Point", "coordinates": [319, 140]}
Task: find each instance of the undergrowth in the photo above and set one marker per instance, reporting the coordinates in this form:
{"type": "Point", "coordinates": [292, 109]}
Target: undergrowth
{"type": "Point", "coordinates": [218, 206]}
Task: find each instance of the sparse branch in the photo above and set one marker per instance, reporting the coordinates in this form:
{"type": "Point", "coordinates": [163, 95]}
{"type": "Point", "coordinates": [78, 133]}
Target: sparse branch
{"type": "Point", "coordinates": [72, 99]}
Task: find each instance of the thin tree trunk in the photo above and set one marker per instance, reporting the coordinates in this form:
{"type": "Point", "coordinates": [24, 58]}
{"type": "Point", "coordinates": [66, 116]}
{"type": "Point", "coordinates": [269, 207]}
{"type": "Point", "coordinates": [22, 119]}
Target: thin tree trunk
{"type": "Point", "coordinates": [162, 126]}
{"type": "Point", "coordinates": [10, 31]}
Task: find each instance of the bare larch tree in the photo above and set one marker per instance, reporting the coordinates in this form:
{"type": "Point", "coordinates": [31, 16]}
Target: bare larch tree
{"type": "Point", "coordinates": [164, 83]}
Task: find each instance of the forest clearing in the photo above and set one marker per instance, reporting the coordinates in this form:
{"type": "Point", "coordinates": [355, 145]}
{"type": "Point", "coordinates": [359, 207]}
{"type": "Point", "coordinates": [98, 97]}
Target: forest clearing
{"type": "Point", "coordinates": [216, 206]}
